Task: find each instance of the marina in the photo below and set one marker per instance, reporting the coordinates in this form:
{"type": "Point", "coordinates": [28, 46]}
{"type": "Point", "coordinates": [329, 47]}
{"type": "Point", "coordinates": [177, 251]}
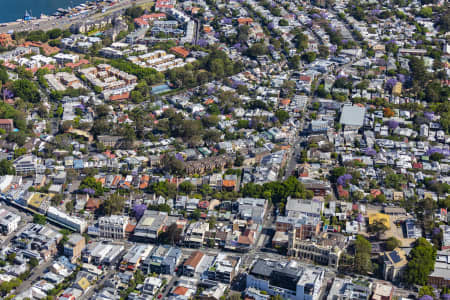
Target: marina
{"type": "Point", "coordinates": [30, 10]}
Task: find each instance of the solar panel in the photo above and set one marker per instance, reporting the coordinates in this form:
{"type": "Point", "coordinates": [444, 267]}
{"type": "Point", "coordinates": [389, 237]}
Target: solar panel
{"type": "Point", "coordinates": [395, 257]}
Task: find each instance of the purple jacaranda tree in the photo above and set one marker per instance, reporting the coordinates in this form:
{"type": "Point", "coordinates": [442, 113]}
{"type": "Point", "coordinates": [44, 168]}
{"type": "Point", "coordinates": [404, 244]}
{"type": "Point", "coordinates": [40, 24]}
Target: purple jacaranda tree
{"type": "Point", "coordinates": [360, 218]}
{"type": "Point", "coordinates": [390, 83]}
{"type": "Point", "coordinates": [445, 152]}
{"type": "Point", "coordinates": [202, 43]}
{"type": "Point", "coordinates": [429, 115]}
{"type": "Point", "coordinates": [401, 78]}
{"type": "Point", "coordinates": [8, 94]}
{"type": "Point", "coordinates": [436, 231]}
{"type": "Point", "coordinates": [226, 20]}
{"type": "Point", "coordinates": [392, 124]}
{"type": "Point", "coordinates": [139, 210]}
{"type": "Point", "coordinates": [344, 179]}
{"type": "Point", "coordinates": [375, 12]}
{"type": "Point", "coordinates": [370, 152]}
{"type": "Point", "coordinates": [211, 90]}
{"type": "Point", "coordinates": [88, 191]}
{"type": "Point", "coordinates": [179, 156]}
{"type": "Point", "coordinates": [426, 297]}
{"type": "Point", "coordinates": [445, 297]}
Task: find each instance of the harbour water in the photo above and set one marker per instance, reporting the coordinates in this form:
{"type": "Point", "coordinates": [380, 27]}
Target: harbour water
{"type": "Point", "coordinates": [11, 10]}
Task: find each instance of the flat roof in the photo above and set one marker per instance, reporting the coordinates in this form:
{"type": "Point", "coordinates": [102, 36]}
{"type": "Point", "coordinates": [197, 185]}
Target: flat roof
{"type": "Point", "coordinates": [352, 115]}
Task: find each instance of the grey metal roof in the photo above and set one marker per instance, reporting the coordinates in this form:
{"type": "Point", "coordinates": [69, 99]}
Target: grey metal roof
{"type": "Point", "coordinates": [352, 115]}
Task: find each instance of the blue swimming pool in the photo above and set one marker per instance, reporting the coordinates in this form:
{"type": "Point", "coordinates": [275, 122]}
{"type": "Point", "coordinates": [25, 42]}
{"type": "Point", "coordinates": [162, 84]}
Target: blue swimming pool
{"type": "Point", "coordinates": [158, 89]}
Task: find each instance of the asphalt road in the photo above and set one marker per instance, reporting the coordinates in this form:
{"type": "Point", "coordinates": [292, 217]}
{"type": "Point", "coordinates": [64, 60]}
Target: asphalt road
{"type": "Point", "coordinates": [35, 274]}
{"type": "Point", "coordinates": [98, 284]}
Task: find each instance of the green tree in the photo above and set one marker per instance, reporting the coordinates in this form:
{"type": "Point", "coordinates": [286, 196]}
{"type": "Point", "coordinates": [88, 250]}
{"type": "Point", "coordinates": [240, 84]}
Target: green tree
{"type": "Point", "coordinates": [421, 262]}
{"type": "Point", "coordinates": [114, 204]}
{"type": "Point", "coordinates": [161, 207]}
{"type": "Point", "coordinates": [196, 214]}
{"type": "Point", "coordinates": [282, 115]}
{"type": "Point", "coordinates": [186, 187]}
{"type": "Point", "coordinates": [92, 183]}
{"type": "Point", "coordinates": [11, 257]}
{"type": "Point", "coordinates": [392, 243]}
{"type": "Point", "coordinates": [362, 263]}
{"type": "Point", "coordinates": [6, 167]}
{"type": "Point", "coordinates": [4, 77]}
{"type": "Point", "coordinates": [426, 12]}
{"type": "Point", "coordinates": [309, 57]}
{"type": "Point", "coordinates": [426, 290]}
{"type": "Point", "coordinates": [39, 219]}
{"type": "Point", "coordinates": [212, 222]}
{"type": "Point", "coordinates": [34, 262]}
{"type": "Point", "coordinates": [26, 90]}
{"type": "Point", "coordinates": [172, 235]}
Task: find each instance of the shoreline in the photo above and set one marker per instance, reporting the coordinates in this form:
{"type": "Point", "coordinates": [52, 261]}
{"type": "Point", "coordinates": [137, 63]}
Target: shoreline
{"type": "Point", "coordinates": [92, 11]}
{"type": "Point", "coordinates": [52, 14]}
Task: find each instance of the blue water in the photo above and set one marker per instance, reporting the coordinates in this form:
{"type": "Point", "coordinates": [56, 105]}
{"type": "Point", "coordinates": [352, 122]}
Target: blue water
{"type": "Point", "coordinates": [13, 10]}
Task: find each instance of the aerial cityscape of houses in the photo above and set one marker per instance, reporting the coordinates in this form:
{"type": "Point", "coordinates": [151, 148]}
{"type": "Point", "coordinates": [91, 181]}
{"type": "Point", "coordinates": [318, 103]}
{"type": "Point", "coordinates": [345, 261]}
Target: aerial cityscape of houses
{"type": "Point", "coordinates": [261, 150]}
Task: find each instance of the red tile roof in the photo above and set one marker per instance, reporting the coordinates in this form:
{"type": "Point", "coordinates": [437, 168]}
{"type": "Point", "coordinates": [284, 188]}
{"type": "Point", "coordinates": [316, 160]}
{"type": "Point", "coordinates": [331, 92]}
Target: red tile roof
{"type": "Point", "coordinates": [194, 259]}
{"type": "Point", "coordinates": [180, 290]}
{"type": "Point", "coordinates": [180, 51]}
{"type": "Point", "coordinates": [119, 97]}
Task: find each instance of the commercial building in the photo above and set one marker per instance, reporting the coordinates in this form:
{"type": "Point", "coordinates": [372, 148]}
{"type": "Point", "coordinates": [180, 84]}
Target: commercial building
{"type": "Point", "coordinates": [440, 277]}
{"type": "Point", "coordinates": [343, 288]}
{"type": "Point", "coordinates": [63, 219]}
{"type": "Point", "coordinates": [135, 255]}
{"type": "Point", "coordinates": [252, 209]}
{"type": "Point", "coordinates": [101, 253]}
{"type": "Point", "coordinates": [352, 117]}
{"type": "Point", "coordinates": [113, 226]}
{"type": "Point", "coordinates": [299, 207]}
{"type": "Point", "coordinates": [162, 260]}
{"type": "Point", "coordinates": [74, 246]}
{"type": "Point", "coordinates": [285, 278]}
{"type": "Point", "coordinates": [150, 225]}
{"type": "Point", "coordinates": [324, 250]}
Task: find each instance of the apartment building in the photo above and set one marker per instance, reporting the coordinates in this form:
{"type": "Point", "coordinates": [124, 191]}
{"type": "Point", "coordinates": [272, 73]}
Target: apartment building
{"type": "Point", "coordinates": [7, 124]}
{"type": "Point", "coordinates": [224, 268]}
{"type": "Point", "coordinates": [195, 234]}
{"type": "Point", "coordinates": [8, 221]}
{"type": "Point", "coordinates": [74, 247]}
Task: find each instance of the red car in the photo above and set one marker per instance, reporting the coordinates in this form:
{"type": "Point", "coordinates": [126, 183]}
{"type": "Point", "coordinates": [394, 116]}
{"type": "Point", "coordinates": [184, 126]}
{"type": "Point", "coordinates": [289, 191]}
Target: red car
{"type": "Point", "coordinates": [159, 296]}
